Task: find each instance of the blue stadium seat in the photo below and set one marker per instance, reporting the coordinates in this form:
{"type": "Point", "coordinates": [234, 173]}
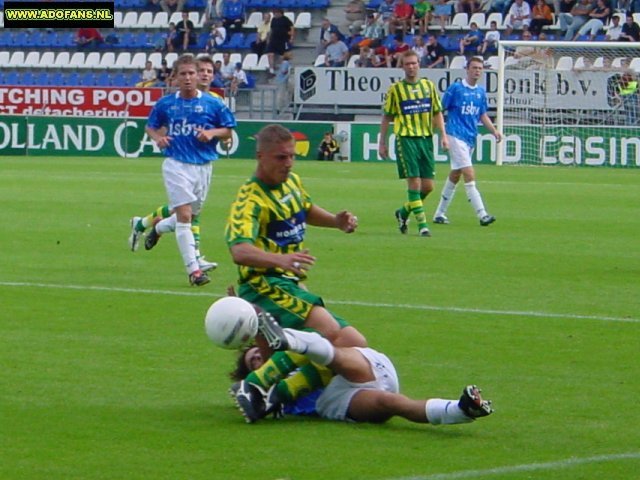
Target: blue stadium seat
{"type": "Point", "coordinates": [88, 79]}
{"type": "Point", "coordinates": [12, 78]}
{"type": "Point", "coordinates": [103, 79]}
{"type": "Point", "coordinates": [56, 79]}
{"type": "Point", "coordinates": [120, 80]}
{"type": "Point", "coordinates": [127, 41]}
{"type": "Point", "coordinates": [6, 38]}
{"type": "Point", "coordinates": [319, 4]}
{"type": "Point", "coordinates": [249, 39]}
{"type": "Point", "coordinates": [20, 39]}
{"type": "Point", "coordinates": [28, 78]}
{"type": "Point", "coordinates": [251, 82]}
{"type": "Point", "coordinates": [195, 5]}
{"type": "Point", "coordinates": [236, 41]}
{"type": "Point", "coordinates": [373, 4]}
{"type": "Point", "coordinates": [72, 79]}
{"type": "Point", "coordinates": [42, 79]}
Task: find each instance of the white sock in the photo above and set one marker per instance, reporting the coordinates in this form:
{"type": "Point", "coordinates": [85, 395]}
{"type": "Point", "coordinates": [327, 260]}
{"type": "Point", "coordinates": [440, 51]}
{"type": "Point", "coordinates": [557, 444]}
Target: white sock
{"type": "Point", "coordinates": [167, 225]}
{"type": "Point", "coordinates": [446, 197]}
{"type": "Point", "coordinates": [311, 344]}
{"type": "Point", "coordinates": [445, 412]}
{"type": "Point", "coordinates": [475, 199]}
{"type": "Point", "coordinates": [187, 246]}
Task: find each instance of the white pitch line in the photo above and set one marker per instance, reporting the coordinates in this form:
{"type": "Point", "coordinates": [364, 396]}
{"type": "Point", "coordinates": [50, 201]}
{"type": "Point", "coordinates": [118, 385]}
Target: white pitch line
{"type": "Point", "coordinates": [527, 467]}
{"type": "Point", "coordinates": [432, 308]}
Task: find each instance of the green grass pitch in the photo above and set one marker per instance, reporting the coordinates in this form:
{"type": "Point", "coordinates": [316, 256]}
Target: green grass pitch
{"type": "Point", "coordinates": [106, 372]}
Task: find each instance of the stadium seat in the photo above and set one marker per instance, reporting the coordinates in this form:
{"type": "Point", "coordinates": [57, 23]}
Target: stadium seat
{"type": "Point", "coordinates": [117, 19]}
{"type": "Point", "coordinates": [251, 83]}
{"type": "Point", "coordinates": [145, 20]}
{"type": "Point", "coordinates": [103, 79]}
{"type": "Point", "coordinates": [263, 63]}
{"type": "Point", "coordinates": [291, 16]}
{"type": "Point", "coordinates": [12, 78]}
{"type": "Point", "coordinates": [161, 20]}
{"type": "Point", "coordinates": [107, 61]}
{"type": "Point", "coordinates": [492, 62]}
{"type": "Point", "coordinates": [250, 62]}
{"type": "Point", "coordinates": [126, 40]}
{"type": "Point", "coordinates": [170, 58]}
{"type": "Point", "coordinates": [236, 42]}
{"type": "Point", "coordinates": [120, 80]}
{"type": "Point", "coordinates": [458, 62]}
{"type": "Point", "coordinates": [617, 62]}
{"type": "Point", "coordinates": [460, 21]}
{"type": "Point", "coordinates": [16, 60]}
{"type": "Point", "coordinates": [31, 60]}
{"type": "Point", "coordinates": [88, 79]}
{"type": "Point", "coordinates": [4, 57]}
{"type": "Point", "coordinates": [564, 63]}
{"type": "Point", "coordinates": [138, 61]}
{"type": "Point", "coordinates": [72, 79]}
{"type": "Point", "coordinates": [495, 17]}
{"type": "Point", "coordinates": [6, 38]}
{"type": "Point", "coordinates": [255, 19]}
{"type": "Point", "coordinates": [197, 19]}
{"type": "Point", "coordinates": [76, 61]}
{"type": "Point", "coordinates": [130, 20]}
{"type": "Point", "coordinates": [319, 61]}
{"type": "Point", "coordinates": [479, 19]}
{"type": "Point", "coordinates": [174, 18]}
{"type": "Point", "coordinates": [303, 21]}
{"type": "Point", "coordinates": [635, 64]}
{"type": "Point", "coordinates": [352, 61]}
{"type": "Point", "coordinates": [28, 78]}
{"type": "Point", "coordinates": [248, 40]}
{"type": "Point", "coordinates": [123, 61]}
{"type": "Point", "coordinates": [156, 59]}
{"type": "Point", "coordinates": [56, 79]}
{"type": "Point", "coordinates": [46, 60]}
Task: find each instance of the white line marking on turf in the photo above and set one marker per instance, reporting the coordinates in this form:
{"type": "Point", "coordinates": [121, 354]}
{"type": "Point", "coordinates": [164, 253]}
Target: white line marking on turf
{"type": "Point", "coordinates": [433, 308]}
{"type": "Point", "coordinates": [527, 467]}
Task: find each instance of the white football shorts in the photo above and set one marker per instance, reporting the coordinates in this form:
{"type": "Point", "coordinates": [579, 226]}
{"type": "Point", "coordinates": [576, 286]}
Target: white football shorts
{"type": "Point", "coordinates": [186, 183]}
{"type": "Point", "coordinates": [334, 401]}
{"type": "Point", "coordinates": [459, 153]}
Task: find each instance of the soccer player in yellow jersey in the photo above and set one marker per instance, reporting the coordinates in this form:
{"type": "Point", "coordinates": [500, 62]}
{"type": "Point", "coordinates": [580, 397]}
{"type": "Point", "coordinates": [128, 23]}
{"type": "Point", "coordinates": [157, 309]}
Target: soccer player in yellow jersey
{"type": "Point", "coordinates": [140, 224]}
{"type": "Point", "coordinates": [265, 234]}
{"type": "Point", "coordinates": [413, 105]}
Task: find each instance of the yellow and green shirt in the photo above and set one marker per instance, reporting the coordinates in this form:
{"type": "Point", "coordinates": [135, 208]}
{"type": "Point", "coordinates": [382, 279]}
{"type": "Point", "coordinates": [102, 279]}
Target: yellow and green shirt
{"type": "Point", "coordinates": [273, 219]}
{"type": "Point", "coordinates": [412, 105]}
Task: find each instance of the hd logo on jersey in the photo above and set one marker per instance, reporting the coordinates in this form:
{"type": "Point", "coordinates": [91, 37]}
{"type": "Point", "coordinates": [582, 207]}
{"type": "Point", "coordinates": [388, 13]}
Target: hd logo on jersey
{"type": "Point", "coordinates": [289, 231]}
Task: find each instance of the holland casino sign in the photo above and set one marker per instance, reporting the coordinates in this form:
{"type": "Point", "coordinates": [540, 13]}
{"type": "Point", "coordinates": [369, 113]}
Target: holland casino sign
{"type": "Point", "coordinates": [368, 86]}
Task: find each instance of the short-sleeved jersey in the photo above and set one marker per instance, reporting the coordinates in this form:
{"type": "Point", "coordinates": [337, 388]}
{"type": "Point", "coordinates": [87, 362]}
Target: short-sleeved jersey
{"type": "Point", "coordinates": [464, 105]}
{"type": "Point", "coordinates": [274, 219]}
{"type": "Point", "coordinates": [412, 105]}
{"type": "Point", "coordinates": [182, 116]}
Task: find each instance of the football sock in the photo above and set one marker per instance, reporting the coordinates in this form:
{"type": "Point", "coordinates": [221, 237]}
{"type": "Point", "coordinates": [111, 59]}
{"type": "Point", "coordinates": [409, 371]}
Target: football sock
{"type": "Point", "coordinates": [445, 412]}
{"type": "Point", "coordinates": [405, 210]}
{"type": "Point", "coordinates": [167, 225]}
{"type": "Point", "coordinates": [416, 207]}
{"type": "Point", "coordinates": [275, 368]}
{"type": "Point", "coordinates": [195, 229]}
{"type": "Point", "coordinates": [310, 377]}
{"type": "Point", "coordinates": [147, 221]}
{"type": "Point", "coordinates": [186, 245]}
{"type": "Point", "coordinates": [314, 346]}
{"type": "Point", "coordinates": [475, 199]}
{"type": "Point", "coordinates": [445, 198]}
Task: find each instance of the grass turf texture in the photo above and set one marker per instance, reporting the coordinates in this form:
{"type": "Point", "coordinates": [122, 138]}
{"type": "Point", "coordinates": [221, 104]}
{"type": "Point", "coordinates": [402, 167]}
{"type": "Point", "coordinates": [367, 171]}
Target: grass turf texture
{"type": "Point", "coordinates": [107, 372]}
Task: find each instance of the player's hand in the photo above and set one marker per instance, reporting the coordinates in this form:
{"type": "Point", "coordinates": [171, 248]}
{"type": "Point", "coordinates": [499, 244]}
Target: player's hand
{"type": "Point", "coordinates": [164, 141]}
{"type": "Point", "coordinates": [204, 135]}
{"type": "Point", "coordinates": [383, 151]}
{"type": "Point", "coordinates": [346, 221]}
{"type": "Point", "coordinates": [498, 136]}
{"type": "Point", "coordinates": [444, 142]}
{"type": "Point", "coordinates": [298, 262]}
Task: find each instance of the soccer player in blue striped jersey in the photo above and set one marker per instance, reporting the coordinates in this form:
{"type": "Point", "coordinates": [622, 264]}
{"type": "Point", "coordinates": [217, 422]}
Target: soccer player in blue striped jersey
{"type": "Point", "coordinates": [466, 104]}
{"type": "Point", "coordinates": [413, 105]}
{"type": "Point", "coordinates": [154, 219]}
{"type": "Point", "coordinates": [187, 126]}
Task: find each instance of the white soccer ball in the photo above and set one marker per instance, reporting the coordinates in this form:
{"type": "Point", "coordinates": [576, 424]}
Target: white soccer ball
{"type": "Point", "coordinates": [231, 322]}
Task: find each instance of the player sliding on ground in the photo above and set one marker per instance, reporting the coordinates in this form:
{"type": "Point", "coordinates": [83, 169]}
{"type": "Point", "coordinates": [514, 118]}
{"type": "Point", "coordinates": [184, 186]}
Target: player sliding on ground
{"type": "Point", "coordinates": [364, 389]}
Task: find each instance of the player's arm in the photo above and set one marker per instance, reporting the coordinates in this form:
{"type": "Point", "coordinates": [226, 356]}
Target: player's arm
{"type": "Point", "coordinates": [438, 122]}
{"type": "Point", "coordinates": [383, 149]}
{"type": "Point", "coordinates": [249, 255]}
{"type": "Point", "coordinates": [486, 121]}
{"type": "Point", "coordinates": [319, 217]}
{"type": "Point", "coordinates": [159, 135]}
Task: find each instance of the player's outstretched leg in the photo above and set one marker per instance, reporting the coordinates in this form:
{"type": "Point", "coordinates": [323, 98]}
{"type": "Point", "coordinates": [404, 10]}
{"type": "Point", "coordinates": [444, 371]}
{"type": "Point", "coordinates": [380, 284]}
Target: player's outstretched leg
{"type": "Point", "coordinates": [135, 235]}
{"type": "Point", "coordinates": [250, 400]}
{"type": "Point", "coordinates": [472, 403]}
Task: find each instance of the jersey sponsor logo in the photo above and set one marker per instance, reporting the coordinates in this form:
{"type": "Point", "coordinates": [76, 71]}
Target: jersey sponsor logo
{"type": "Point", "coordinates": [289, 231]}
{"type": "Point", "coordinates": [469, 109]}
{"type": "Point", "coordinates": [419, 105]}
{"type": "Point", "coordinates": [182, 128]}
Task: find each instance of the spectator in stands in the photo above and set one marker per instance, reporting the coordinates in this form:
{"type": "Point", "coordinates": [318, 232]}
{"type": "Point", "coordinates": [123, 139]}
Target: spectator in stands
{"type": "Point", "coordinates": [336, 53]}
{"type": "Point", "coordinates": [422, 16]}
{"type": "Point", "coordinates": [381, 57]}
{"type": "Point", "coordinates": [149, 76]}
{"type": "Point", "coordinates": [217, 81]}
{"type": "Point", "coordinates": [185, 33]}
{"type": "Point", "coordinates": [262, 36]}
{"type": "Point", "coordinates": [541, 16]}
{"type": "Point", "coordinates": [385, 12]}
{"type": "Point", "coordinates": [436, 54]}
{"type": "Point", "coordinates": [226, 69]}
{"type": "Point", "coordinates": [164, 74]}
{"type": "Point", "coordinates": [171, 6]}
{"type": "Point", "coordinates": [598, 17]}
{"type": "Point", "coordinates": [472, 41]}
{"type": "Point", "coordinates": [217, 37]}
{"type": "Point", "coordinates": [372, 31]}
{"type": "Point", "coordinates": [364, 57]}
{"type": "Point", "coordinates": [531, 57]}
{"type": "Point", "coordinates": [326, 29]}
{"type": "Point", "coordinates": [401, 17]}
{"type": "Point", "coordinates": [571, 22]}
{"type": "Point", "coordinates": [354, 14]}
{"type": "Point", "coordinates": [563, 6]}
{"type": "Point", "coordinates": [238, 80]}
{"type": "Point", "coordinates": [614, 30]}
{"type": "Point", "coordinates": [284, 81]}
{"type": "Point", "coordinates": [419, 47]}
{"type": "Point", "coordinates": [281, 37]}
{"type": "Point", "coordinates": [328, 147]}
{"type": "Point", "coordinates": [518, 17]}
{"type": "Point", "coordinates": [170, 38]}
{"type": "Point", "coordinates": [629, 96]}
{"type": "Point", "coordinates": [630, 30]}
{"type": "Point", "coordinates": [468, 6]}
{"type": "Point", "coordinates": [233, 15]}
{"type": "Point", "coordinates": [399, 46]}
{"type": "Point", "coordinates": [491, 39]}
{"type": "Point", "coordinates": [88, 38]}
{"type": "Point", "coordinates": [442, 13]}
{"type": "Point", "coordinates": [212, 13]}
